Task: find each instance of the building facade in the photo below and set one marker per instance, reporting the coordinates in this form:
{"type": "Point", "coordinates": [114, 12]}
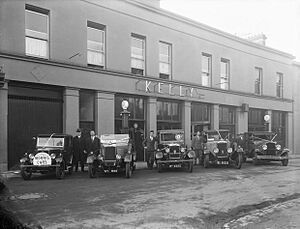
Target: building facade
{"type": "Point", "coordinates": [71, 64]}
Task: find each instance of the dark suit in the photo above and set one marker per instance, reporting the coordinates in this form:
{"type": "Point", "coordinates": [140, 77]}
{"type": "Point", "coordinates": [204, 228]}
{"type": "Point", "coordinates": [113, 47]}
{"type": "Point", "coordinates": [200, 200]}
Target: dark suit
{"type": "Point", "coordinates": [93, 145]}
{"type": "Point", "coordinates": [78, 152]}
{"type": "Point", "coordinates": [136, 137]}
{"type": "Point", "coordinates": [151, 145]}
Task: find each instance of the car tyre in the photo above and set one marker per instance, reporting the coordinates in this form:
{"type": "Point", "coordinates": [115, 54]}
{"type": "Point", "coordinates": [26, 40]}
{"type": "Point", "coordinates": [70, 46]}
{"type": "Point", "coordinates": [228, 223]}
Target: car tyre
{"type": "Point", "coordinates": [26, 175]}
{"type": "Point", "coordinates": [206, 161]}
{"type": "Point", "coordinates": [128, 170]}
{"type": "Point", "coordinates": [238, 161]}
{"type": "Point", "coordinates": [60, 171]}
{"type": "Point", "coordinates": [92, 170]}
{"type": "Point", "coordinates": [285, 162]}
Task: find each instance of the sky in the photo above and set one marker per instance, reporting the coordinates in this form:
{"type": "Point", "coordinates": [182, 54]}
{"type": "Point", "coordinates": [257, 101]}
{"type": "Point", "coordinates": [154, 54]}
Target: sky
{"type": "Point", "coordinates": [279, 20]}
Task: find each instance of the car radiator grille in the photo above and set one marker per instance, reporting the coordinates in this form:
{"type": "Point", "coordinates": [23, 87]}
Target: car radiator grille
{"type": "Point", "coordinates": [271, 150]}
{"type": "Point", "coordinates": [177, 153]}
{"type": "Point", "coordinates": [110, 153]}
{"type": "Point", "coordinates": [222, 148]}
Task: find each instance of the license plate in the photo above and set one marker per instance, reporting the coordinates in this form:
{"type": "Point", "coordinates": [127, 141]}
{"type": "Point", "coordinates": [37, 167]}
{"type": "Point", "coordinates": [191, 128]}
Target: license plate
{"type": "Point", "coordinates": [222, 162]}
{"type": "Point", "coordinates": [271, 157]}
{"type": "Point", "coordinates": [41, 159]}
{"type": "Point", "coordinates": [176, 166]}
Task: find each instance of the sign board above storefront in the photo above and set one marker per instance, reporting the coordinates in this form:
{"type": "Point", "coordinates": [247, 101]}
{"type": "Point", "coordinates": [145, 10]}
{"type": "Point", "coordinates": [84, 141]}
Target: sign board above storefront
{"type": "Point", "coordinates": [170, 89]}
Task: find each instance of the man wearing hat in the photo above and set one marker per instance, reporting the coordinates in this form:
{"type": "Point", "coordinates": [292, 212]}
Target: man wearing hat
{"type": "Point", "coordinates": [78, 150]}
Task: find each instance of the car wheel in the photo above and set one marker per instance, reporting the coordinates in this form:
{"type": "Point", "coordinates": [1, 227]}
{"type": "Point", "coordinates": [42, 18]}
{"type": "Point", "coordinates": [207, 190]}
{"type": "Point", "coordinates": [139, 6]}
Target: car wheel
{"type": "Point", "coordinates": [190, 167]}
{"type": "Point", "coordinates": [285, 162]}
{"type": "Point", "coordinates": [26, 174]}
{"type": "Point", "coordinates": [60, 171]}
{"type": "Point", "coordinates": [92, 170]}
{"type": "Point", "coordinates": [206, 161]}
{"type": "Point", "coordinates": [159, 167]}
{"type": "Point", "coordinates": [239, 161]}
{"type": "Point", "coordinates": [128, 171]}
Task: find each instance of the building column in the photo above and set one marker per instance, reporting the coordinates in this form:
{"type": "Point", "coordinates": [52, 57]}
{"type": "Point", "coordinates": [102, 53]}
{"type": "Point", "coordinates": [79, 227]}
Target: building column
{"type": "Point", "coordinates": [3, 128]}
{"type": "Point", "coordinates": [151, 117]}
{"type": "Point", "coordinates": [289, 137]}
{"type": "Point", "coordinates": [215, 119]}
{"type": "Point", "coordinates": [241, 121]}
{"type": "Point", "coordinates": [186, 122]}
{"type": "Point", "coordinates": [71, 110]}
{"type": "Point", "coordinates": [104, 113]}
{"type": "Point", "coordinates": [269, 112]}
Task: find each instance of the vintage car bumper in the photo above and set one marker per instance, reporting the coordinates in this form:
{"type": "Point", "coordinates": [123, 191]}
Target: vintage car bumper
{"type": "Point", "coordinates": [174, 161]}
{"type": "Point", "coordinates": [271, 157]}
{"type": "Point", "coordinates": [40, 167]}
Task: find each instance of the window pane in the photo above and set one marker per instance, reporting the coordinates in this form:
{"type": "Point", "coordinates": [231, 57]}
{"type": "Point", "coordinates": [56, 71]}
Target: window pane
{"type": "Point", "coordinates": [205, 79]}
{"type": "Point", "coordinates": [36, 21]}
{"type": "Point", "coordinates": [138, 43]}
{"type": "Point", "coordinates": [95, 58]}
{"type": "Point", "coordinates": [205, 64]}
{"type": "Point", "coordinates": [95, 35]}
{"type": "Point", "coordinates": [223, 69]}
{"type": "Point", "coordinates": [36, 47]}
{"type": "Point", "coordinates": [95, 46]}
{"type": "Point", "coordinates": [164, 49]}
{"type": "Point", "coordinates": [135, 63]}
{"type": "Point", "coordinates": [164, 68]}
{"type": "Point", "coordinates": [137, 53]}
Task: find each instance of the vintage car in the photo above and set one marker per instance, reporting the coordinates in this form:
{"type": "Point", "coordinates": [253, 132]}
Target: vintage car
{"type": "Point", "coordinates": [261, 146]}
{"type": "Point", "coordinates": [172, 152]}
{"type": "Point", "coordinates": [115, 156]}
{"type": "Point", "coordinates": [51, 153]}
{"type": "Point", "coordinates": [218, 150]}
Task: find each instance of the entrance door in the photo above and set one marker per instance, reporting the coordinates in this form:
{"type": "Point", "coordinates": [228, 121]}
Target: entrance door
{"type": "Point", "coordinates": [38, 112]}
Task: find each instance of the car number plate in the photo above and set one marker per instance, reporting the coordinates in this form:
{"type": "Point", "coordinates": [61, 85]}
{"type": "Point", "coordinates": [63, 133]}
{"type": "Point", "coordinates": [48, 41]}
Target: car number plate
{"type": "Point", "coordinates": [222, 162]}
{"type": "Point", "coordinates": [42, 159]}
{"type": "Point", "coordinates": [176, 166]}
{"type": "Point", "coordinates": [271, 157]}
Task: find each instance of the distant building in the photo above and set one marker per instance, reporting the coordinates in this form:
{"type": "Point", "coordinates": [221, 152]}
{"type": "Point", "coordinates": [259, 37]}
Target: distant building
{"type": "Point", "coordinates": [70, 64]}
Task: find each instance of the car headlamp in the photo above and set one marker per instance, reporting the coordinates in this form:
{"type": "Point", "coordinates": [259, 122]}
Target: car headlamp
{"type": "Point", "coordinates": [229, 150]}
{"type": "Point", "coordinates": [278, 147]}
{"type": "Point", "coordinates": [216, 150]}
{"type": "Point", "coordinates": [167, 150]}
{"type": "Point", "coordinates": [31, 156]}
{"type": "Point", "coordinates": [22, 160]}
{"type": "Point", "coordinates": [53, 155]}
{"type": "Point", "coordinates": [191, 154]}
{"type": "Point", "coordinates": [118, 156]}
{"type": "Point", "coordinates": [264, 147]}
{"type": "Point", "coordinates": [182, 150]}
{"type": "Point", "coordinates": [159, 155]}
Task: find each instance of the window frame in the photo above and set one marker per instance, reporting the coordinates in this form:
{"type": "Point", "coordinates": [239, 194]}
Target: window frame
{"type": "Point", "coordinates": [169, 45]}
{"type": "Point", "coordinates": [279, 84]}
{"type": "Point", "coordinates": [209, 73]}
{"type": "Point", "coordinates": [227, 76]}
{"type": "Point", "coordinates": [142, 38]}
{"type": "Point", "coordinates": [258, 80]}
{"type": "Point", "coordinates": [41, 12]}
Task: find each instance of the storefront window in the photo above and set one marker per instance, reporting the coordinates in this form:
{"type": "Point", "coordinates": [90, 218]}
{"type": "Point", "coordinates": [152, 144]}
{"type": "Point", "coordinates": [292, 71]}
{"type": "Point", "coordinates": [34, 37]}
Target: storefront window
{"type": "Point", "coordinates": [256, 120]}
{"type": "Point", "coordinates": [279, 126]}
{"type": "Point", "coordinates": [168, 115]}
{"type": "Point", "coordinates": [227, 118]}
{"type": "Point", "coordinates": [200, 117]}
{"type": "Point", "coordinates": [87, 110]}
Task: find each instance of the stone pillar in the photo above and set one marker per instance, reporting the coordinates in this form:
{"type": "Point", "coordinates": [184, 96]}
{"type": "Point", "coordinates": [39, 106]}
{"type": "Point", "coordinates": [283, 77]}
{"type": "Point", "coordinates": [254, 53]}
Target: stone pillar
{"type": "Point", "coordinates": [215, 116]}
{"type": "Point", "coordinates": [289, 137]}
{"type": "Point", "coordinates": [71, 110]}
{"type": "Point", "coordinates": [186, 122]}
{"type": "Point", "coordinates": [3, 128]}
{"type": "Point", "coordinates": [104, 113]}
{"type": "Point", "coordinates": [241, 121]}
{"type": "Point", "coordinates": [151, 117]}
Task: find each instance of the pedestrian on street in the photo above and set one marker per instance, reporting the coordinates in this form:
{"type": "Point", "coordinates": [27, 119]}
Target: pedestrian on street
{"type": "Point", "coordinates": [136, 136]}
{"type": "Point", "coordinates": [92, 144]}
{"type": "Point", "coordinates": [78, 150]}
{"type": "Point", "coordinates": [197, 145]}
{"type": "Point", "coordinates": [150, 143]}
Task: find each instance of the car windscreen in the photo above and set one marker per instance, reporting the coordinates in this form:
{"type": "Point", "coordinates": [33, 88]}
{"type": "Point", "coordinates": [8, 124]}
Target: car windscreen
{"type": "Point", "coordinates": [171, 137]}
{"type": "Point", "coordinates": [214, 135]}
{"type": "Point", "coordinates": [257, 137]}
{"type": "Point", "coordinates": [50, 142]}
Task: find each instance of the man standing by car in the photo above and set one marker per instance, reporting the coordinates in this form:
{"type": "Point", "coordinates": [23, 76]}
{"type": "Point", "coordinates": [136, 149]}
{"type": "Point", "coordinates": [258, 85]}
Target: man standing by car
{"type": "Point", "coordinates": [136, 136]}
{"type": "Point", "coordinates": [78, 150]}
{"type": "Point", "coordinates": [197, 145]}
{"type": "Point", "coordinates": [150, 145]}
{"type": "Point", "coordinates": [92, 144]}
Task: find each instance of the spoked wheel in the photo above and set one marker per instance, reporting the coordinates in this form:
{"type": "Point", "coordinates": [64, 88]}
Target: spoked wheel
{"type": "Point", "coordinates": [190, 167]}
{"type": "Point", "coordinates": [206, 161]}
{"type": "Point", "coordinates": [159, 167]}
{"type": "Point", "coordinates": [128, 170]}
{"type": "Point", "coordinates": [285, 162]}
{"type": "Point", "coordinates": [92, 170]}
{"type": "Point", "coordinates": [60, 171]}
{"type": "Point", "coordinates": [26, 173]}
{"type": "Point", "coordinates": [238, 161]}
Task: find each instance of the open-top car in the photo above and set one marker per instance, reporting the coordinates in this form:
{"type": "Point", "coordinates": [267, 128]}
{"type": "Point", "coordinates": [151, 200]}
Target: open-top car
{"type": "Point", "coordinates": [219, 151]}
{"type": "Point", "coordinates": [261, 146]}
{"type": "Point", "coordinates": [115, 156]}
{"type": "Point", "coordinates": [51, 153]}
{"type": "Point", "coordinates": [172, 152]}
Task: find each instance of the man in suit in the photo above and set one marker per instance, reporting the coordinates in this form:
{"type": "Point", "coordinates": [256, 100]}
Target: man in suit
{"type": "Point", "coordinates": [150, 143]}
{"type": "Point", "coordinates": [92, 143]}
{"type": "Point", "coordinates": [197, 145]}
{"type": "Point", "coordinates": [136, 136]}
{"type": "Point", "coordinates": [78, 150]}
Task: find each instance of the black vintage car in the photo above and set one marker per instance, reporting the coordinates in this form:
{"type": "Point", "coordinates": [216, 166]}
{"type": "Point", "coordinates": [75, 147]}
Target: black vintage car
{"type": "Point", "coordinates": [115, 156]}
{"type": "Point", "coordinates": [172, 151]}
{"type": "Point", "coordinates": [218, 150]}
{"type": "Point", "coordinates": [52, 153]}
{"type": "Point", "coordinates": [261, 146]}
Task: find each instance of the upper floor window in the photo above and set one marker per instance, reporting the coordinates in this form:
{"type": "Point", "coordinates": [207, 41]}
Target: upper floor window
{"type": "Point", "coordinates": [258, 81]}
{"type": "Point", "coordinates": [206, 70]}
{"type": "Point", "coordinates": [95, 44]}
{"type": "Point", "coordinates": [36, 32]}
{"type": "Point", "coordinates": [224, 75]}
{"type": "Point", "coordinates": [164, 60]}
{"type": "Point", "coordinates": [137, 55]}
{"type": "Point", "coordinates": [279, 85]}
